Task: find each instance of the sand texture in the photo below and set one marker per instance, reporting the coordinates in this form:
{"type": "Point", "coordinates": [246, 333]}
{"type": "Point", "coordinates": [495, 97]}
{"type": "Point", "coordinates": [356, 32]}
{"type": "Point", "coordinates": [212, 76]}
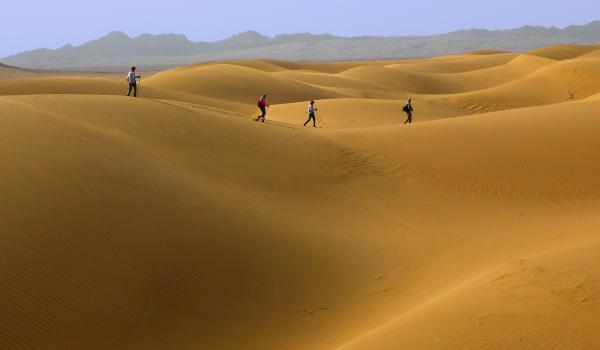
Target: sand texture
{"type": "Point", "coordinates": [173, 221]}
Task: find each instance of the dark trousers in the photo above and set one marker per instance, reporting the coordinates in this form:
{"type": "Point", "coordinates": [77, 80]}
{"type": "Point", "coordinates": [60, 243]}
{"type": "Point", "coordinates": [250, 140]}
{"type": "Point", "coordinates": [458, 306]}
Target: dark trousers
{"type": "Point", "coordinates": [312, 117]}
{"type": "Point", "coordinates": [263, 110]}
{"type": "Point", "coordinates": [409, 118]}
{"type": "Point", "coordinates": [134, 88]}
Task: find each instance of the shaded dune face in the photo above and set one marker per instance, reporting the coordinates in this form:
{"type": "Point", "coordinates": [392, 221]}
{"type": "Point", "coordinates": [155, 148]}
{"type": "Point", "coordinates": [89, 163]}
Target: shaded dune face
{"type": "Point", "coordinates": [173, 221]}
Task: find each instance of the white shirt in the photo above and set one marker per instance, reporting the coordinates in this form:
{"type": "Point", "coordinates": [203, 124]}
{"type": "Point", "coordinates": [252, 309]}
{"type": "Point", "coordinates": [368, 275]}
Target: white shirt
{"type": "Point", "coordinates": [311, 109]}
{"type": "Point", "coordinates": [131, 77]}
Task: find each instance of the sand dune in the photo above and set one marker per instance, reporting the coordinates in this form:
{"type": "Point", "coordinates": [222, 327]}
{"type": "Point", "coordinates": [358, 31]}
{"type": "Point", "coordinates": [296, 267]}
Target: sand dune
{"type": "Point", "coordinates": [405, 78]}
{"type": "Point", "coordinates": [563, 52]}
{"type": "Point", "coordinates": [173, 221]}
{"type": "Point", "coordinates": [65, 85]}
{"type": "Point", "coordinates": [506, 307]}
{"type": "Point", "coordinates": [237, 84]}
{"type": "Point", "coordinates": [560, 82]}
{"type": "Point", "coordinates": [459, 63]}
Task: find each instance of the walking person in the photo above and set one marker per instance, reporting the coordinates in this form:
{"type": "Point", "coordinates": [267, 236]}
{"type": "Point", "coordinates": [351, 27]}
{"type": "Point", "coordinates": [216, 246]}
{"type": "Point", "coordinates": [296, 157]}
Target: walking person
{"type": "Point", "coordinates": [408, 109]}
{"type": "Point", "coordinates": [263, 105]}
{"type": "Point", "coordinates": [311, 114]}
{"type": "Point", "coordinates": [132, 80]}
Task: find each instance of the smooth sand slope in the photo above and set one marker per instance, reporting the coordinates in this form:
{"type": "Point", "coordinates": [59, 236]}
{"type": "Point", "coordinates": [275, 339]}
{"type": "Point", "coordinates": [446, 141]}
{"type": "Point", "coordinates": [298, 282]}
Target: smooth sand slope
{"type": "Point", "coordinates": [173, 221]}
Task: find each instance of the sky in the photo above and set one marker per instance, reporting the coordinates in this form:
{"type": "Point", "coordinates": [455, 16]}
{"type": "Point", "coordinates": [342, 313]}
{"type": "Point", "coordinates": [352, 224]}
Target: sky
{"type": "Point", "coordinates": [32, 24]}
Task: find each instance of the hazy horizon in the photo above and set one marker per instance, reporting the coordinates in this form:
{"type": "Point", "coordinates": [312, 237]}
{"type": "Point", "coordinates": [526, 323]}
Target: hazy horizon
{"type": "Point", "coordinates": [53, 25]}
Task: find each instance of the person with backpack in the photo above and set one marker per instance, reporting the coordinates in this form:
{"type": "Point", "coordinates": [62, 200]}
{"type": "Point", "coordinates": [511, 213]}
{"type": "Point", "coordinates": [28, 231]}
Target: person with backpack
{"type": "Point", "coordinates": [311, 114]}
{"type": "Point", "coordinates": [408, 109]}
{"type": "Point", "coordinates": [262, 105]}
{"type": "Point", "coordinates": [132, 80]}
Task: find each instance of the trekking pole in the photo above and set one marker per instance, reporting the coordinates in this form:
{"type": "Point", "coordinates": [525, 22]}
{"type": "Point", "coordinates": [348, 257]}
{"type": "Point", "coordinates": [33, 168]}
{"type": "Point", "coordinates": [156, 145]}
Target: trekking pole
{"type": "Point", "coordinates": [140, 87]}
{"type": "Point", "coordinates": [320, 120]}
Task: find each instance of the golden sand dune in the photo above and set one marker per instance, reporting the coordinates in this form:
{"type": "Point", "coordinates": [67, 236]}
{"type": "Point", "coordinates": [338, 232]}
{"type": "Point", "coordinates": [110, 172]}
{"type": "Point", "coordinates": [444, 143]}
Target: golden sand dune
{"type": "Point", "coordinates": [404, 78]}
{"type": "Point", "coordinates": [563, 52]}
{"type": "Point", "coordinates": [561, 82]}
{"type": "Point", "coordinates": [486, 52]}
{"type": "Point", "coordinates": [354, 112]}
{"type": "Point", "coordinates": [45, 84]}
{"type": "Point", "coordinates": [506, 307]}
{"type": "Point", "coordinates": [458, 63]}
{"type": "Point", "coordinates": [592, 54]}
{"type": "Point", "coordinates": [173, 221]}
{"type": "Point", "coordinates": [279, 66]}
{"type": "Point", "coordinates": [237, 84]}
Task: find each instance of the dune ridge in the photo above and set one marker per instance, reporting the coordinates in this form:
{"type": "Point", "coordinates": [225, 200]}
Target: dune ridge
{"type": "Point", "coordinates": [174, 221]}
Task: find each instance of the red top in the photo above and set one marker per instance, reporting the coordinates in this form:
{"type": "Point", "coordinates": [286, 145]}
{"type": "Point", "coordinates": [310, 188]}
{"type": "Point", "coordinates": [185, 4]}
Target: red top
{"type": "Point", "coordinates": [263, 102]}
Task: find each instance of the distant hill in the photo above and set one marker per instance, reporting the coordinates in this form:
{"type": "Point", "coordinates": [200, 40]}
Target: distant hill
{"type": "Point", "coordinates": [117, 50]}
{"type": "Point", "coordinates": [4, 66]}
{"type": "Point", "coordinates": [9, 72]}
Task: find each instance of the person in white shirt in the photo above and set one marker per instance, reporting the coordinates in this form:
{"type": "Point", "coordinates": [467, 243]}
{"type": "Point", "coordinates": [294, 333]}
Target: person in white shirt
{"type": "Point", "coordinates": [311, 114]}
{"type": "Point", "coordinates": [132, 80]}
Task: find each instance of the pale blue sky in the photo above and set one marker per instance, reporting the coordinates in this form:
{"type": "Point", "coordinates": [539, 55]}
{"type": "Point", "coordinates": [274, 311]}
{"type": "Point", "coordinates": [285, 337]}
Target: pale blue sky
{"type": "Point", "coordinates": [30, 24]}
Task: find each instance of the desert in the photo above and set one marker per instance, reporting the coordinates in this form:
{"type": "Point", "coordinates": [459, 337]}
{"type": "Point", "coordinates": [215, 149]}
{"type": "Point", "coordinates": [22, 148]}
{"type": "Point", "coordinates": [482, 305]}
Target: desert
{"type": "Point", "coordinates": [176, 221]}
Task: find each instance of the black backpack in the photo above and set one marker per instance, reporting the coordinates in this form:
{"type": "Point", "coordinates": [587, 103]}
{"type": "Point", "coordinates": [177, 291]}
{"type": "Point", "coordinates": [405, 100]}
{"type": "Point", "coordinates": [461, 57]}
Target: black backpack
{"type": "Point", "coordinates": [406, 108]}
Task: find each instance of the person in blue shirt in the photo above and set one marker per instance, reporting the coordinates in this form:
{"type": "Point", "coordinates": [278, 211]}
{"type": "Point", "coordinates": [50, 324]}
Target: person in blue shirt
{"type": "Point", "coordinates": [311, 114]}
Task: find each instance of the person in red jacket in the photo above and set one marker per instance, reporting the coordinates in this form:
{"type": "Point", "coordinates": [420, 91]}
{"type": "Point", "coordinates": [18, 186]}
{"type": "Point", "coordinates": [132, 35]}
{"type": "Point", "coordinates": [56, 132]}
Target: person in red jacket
{"type": "Point", "coordinates": [262, 105]}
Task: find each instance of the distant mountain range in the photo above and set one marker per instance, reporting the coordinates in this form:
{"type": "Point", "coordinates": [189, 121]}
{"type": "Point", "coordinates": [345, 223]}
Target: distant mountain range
{"type": "Point", "coordinates": [117, 51]}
